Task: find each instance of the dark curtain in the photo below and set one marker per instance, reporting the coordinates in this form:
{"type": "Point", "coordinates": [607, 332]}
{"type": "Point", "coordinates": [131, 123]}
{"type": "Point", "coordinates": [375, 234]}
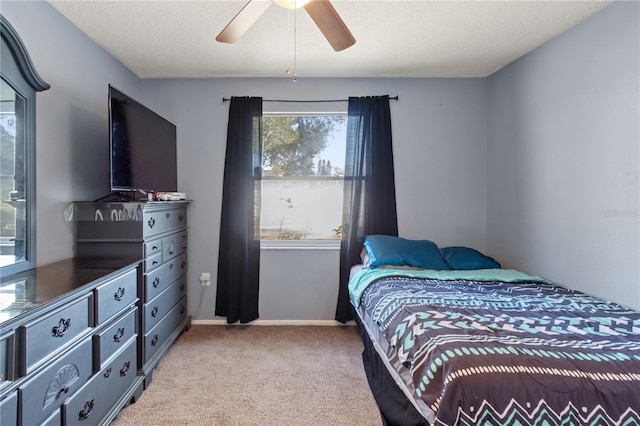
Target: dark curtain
{"type": "Point", "coordinates": [239, 257]}
{"type": "Point", "coordinates": [369, 188]}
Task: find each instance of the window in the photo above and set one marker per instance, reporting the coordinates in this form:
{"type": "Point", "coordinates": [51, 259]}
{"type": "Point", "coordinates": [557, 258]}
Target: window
{"type": "Point", "coordinates": [13, 193]}
{"type": "Point", "coordinates": [18, 85]}
{"type": "Point", "coordinates": [303, 174]}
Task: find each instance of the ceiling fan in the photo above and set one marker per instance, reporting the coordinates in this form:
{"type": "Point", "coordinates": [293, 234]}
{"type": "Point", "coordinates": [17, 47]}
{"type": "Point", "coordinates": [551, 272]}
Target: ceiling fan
{"type": "Point", "coordinates": [321, 11]}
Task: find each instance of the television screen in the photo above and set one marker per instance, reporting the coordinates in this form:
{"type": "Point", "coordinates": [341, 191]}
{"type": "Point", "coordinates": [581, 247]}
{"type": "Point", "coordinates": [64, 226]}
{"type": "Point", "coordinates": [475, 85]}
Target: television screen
{"type": "Point", "coordinates": [142, 147]}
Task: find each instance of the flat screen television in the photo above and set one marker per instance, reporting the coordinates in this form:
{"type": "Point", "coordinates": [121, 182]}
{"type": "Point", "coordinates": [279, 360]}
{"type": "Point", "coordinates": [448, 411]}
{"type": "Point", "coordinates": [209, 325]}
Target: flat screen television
{"type": "Point", "coordinates": [142, 146]}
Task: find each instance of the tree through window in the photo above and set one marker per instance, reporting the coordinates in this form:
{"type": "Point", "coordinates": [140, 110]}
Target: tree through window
{"type": "Point", "coordinates": [303, 173]}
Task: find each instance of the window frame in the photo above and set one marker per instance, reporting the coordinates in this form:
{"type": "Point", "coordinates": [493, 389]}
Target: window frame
{"type": "Point", "coordinates": [19, 73]}
{"type": "Point", "coordinates": [304, 244]}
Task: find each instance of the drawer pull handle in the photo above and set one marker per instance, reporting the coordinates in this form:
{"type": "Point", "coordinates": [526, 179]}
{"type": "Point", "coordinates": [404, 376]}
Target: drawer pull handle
{"type": "Point", "coordinates": [181, 218]}
{"type": "Point", "coordinates": [154, 311]}
{"type": "Point", "coordinates": [156, 282]}
{"type": "Point", "coordinates": [182, 310]}
{"type": "Point", "coordinates": [107, 373]}
{"type": "Point", "coordinates": [125, 368]}
{"type": "Point", "coordinates": [155, 262]}
{"type": "Point", "coordinates": [154, 341]}
{"type": "Point", "coordinates": [118, 295]}
{"type": "Point", "coordinates": [182, 287]}
{"type": "Point", "coordinates": [168, 215]}
{"type": "Point", "coordinates": [86, 411]}
{"type": "Point", "coordinates": [171, 252]}
{"type": "Point", "coordinates": [151, 223]}
{"type": "Point", "coordinates": [154, 248]}
{"type": "Point", "coordinates": [171, 266]}
{"type": "Point", "coordinates": [61, 328]}
{"type": "Point", "coordinates": [64, 389]}
{"type": "Point", "coordinates": [183, 264]}
{"type": "Point", "coordinates": [119, 335]}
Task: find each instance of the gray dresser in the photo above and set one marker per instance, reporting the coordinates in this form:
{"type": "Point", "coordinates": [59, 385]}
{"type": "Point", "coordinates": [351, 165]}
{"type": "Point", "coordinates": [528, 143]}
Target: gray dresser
{"type": "Point", "coordinates": [68, 350]}
{"type": "Point", "coordinates": [156, 232]}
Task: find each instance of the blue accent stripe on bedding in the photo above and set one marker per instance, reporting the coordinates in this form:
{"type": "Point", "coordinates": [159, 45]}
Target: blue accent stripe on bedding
{"type": "Point", "coordinates": [366, 276]}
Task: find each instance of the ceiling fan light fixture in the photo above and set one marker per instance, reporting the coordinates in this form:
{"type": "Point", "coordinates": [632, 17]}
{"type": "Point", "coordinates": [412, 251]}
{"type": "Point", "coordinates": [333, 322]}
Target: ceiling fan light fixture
{"type": "Point", "coordinates": [321, 12]}
{"type": "Point", "coordinates": [291, 4]}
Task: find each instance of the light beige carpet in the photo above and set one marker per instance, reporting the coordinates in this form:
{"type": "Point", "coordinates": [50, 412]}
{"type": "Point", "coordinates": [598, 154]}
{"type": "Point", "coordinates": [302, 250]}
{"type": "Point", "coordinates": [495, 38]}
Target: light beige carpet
{"type": "Point", "coordinates": [258, 375]}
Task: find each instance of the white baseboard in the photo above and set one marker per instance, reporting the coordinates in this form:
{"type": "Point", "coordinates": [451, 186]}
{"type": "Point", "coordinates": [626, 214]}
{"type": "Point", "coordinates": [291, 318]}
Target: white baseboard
{"type": "Point", "coordinates": [275, 322]}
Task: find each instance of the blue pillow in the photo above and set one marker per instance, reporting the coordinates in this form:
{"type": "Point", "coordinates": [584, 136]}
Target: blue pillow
{"type": "Point", "coordinates": [467, 258]}
{"type": "Point", "coordinates": [396, 251]}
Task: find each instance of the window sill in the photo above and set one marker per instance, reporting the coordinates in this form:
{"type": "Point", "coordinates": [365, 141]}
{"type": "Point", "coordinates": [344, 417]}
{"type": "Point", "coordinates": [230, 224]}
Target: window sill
{"type": "Point", "coordinates": [300, 245]}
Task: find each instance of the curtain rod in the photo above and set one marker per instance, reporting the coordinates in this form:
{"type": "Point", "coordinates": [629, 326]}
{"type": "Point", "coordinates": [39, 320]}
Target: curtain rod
{"type": "Point", "coordinates": [395, 98]}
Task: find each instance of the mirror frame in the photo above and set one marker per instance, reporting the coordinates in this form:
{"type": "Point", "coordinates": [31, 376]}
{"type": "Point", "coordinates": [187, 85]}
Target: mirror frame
{"type": "Point", "coordinates": [18, 71]}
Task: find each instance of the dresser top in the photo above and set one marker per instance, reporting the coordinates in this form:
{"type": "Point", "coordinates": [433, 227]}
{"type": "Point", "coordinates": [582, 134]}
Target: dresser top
{"type": "Point", "coordinates": [23, 292]}
{"type": "Point", "coordinates": [118, 211]}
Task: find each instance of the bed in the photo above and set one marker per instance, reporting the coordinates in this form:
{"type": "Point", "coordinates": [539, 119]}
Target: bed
{"type": "Point", "coordinates": [450, 338]}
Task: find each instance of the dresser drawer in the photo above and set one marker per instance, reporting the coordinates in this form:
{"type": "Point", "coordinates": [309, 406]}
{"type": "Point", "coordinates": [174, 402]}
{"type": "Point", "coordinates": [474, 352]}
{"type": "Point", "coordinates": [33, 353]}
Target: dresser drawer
{"type": "Point", "coordinates": [163, 220]}
{"type": "Point", "coordinates": [158, 334]}
{"type": "Point", "coordinates": [160, 278]}
{"type": "Point", "coordinates": [116, 295]}
{"type": "Point", "coordinates": [174, 245]}
{"type": "Point", "coordinates": [152, 262]}
{"type": "Point", "coordinates": [108, 341]}
{"type": "Point", "coordinates": [6, 358]}
{"type": "Point", "coordinates": [152, 247]}
{"type": "Point", "coordinates": [91, 403]}
{"type": "Point", "coordinates": [158, 307]}
{"type": "Point", "coordinates": [40, 396]}
{"type": "Point", "coordinates": [55, 419]}
{"type": "Point", "coordinates": [9, 410]}
{"type": "Point", "coordinates": [44, 336]}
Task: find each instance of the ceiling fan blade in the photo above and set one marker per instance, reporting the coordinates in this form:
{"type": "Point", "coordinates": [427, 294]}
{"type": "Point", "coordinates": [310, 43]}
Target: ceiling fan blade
{"type": "Point", "coordinates": [243, 20]}
{"type": "Point", "coordinates": [332, 26]}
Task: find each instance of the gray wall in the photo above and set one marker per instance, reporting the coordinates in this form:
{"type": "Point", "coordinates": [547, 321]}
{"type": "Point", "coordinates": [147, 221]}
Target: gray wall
{"type": "Point", "coordinates": [542, 157]}
{"type": "Point", "coordinates": [437, 123]}
{"type": "Point", "coordinates": [563, 140]}
{"type": "Point", "coordinates": [71, 118]}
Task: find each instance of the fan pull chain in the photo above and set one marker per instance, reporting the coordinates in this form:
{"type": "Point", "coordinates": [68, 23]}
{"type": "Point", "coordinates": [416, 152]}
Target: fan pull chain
{"type": "Point", "coordinates": [288, 69]}
{"type": "Point", "coordinates": [295, 44]}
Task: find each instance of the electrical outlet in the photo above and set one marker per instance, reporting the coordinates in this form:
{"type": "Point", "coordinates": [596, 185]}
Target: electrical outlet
{"type": "Point", "coordinates": [205, 279]}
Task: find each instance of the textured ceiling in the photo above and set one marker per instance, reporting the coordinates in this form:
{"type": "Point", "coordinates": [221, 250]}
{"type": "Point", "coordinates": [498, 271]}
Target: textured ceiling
{"type": "Point", "coordinates": [398, 38]}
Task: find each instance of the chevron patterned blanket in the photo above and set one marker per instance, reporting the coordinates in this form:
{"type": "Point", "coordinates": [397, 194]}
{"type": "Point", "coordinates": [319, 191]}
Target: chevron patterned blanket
{"type": "Point", "coordinates": [514, 350]}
